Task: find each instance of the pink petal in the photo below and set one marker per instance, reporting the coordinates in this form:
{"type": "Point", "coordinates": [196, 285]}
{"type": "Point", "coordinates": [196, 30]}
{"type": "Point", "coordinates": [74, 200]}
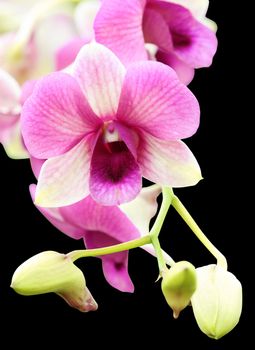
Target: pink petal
{"type": "Point", "coordinates": [118, 25]}
{"type": "Point", "coordinates": [63, 180]}
{"type": "Point", "coordinates": [168, 163]}
{"type": "Point", "coordinates": [92, 216]}
{"type": "Point", "coordinates": [154, 100]}
{"type": "Point", "coordinates": [67, 53]}
{"type": "Point", "coordinates": [100, 75]}
{"type": "Point", "coordinates": [27, 89]}
{"type": "Point", "coordinates": [36, 165]}
{"type": "Point", "coordinates": [114, 265]}
{"type": "Point", "coordinates": [185, 72]}
{"type": "Point", "coordinates": [114, 175]}
{"type": "Point", "coordinates": [56, 116]}
{"type": "Point", "coordinates": [55, 217]}
{"type": "Point", "coordinates": [194, 43]}
{"type": "Point", "coordinates": [156, 30]}
{"type": "Point", "coordinates": [198, 7]}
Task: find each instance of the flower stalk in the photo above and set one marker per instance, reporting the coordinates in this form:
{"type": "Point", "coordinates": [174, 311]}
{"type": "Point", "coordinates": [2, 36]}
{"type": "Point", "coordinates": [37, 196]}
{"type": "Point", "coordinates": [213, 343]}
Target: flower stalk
{"type": "Point", "coordinates": [183, 212]}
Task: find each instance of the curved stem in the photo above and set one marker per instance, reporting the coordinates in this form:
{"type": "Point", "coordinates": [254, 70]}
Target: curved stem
{"type": "Point", "coordinates": [183, 212]}
{"type": "Point", "coordinates": [77, 254]}
{"type": "Point", "coordinates": [154, 233]}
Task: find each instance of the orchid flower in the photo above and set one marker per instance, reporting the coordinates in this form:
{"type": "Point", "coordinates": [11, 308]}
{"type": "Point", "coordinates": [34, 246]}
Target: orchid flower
{"type": "Point", "coordinates": [101, 226]}
{"type": "Point", "coordinates": [183, 41]}
{"type": "Point", "coordinates": [10, 108]}
{"type": "Point", "coordinates": [105, 127]}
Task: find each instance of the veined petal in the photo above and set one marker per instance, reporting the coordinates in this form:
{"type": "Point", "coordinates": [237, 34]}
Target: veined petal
{"type": "Point", "coordinates": [118, 25]}
{"type": "Point", "coordinates": [154, 100]}
{"type": "Point", "coordinates": [56, 116]}
{"type": "Point", "coordinates": [115, 266]}
{"type": "Point", "coordinates": [63, 180]}
{"type": "Point", "coordinates": [115, 176]}
{"type": "Point", "coordinates": [156, 30]}
{"type": "Point", "coordinates": [55, 217]}
{"type": "Point", "coordinates": [185, 72]}
{"type": "Point", "coordinates": [168, 163]}
{"type": "Point", "coordinates": [100, 75]}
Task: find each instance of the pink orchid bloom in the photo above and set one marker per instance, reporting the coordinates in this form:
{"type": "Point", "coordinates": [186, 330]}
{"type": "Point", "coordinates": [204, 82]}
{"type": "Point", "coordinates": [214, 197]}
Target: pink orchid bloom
{"type": "Point", "coordinates": [105, 127]}
{"type": "Point", "coordinates": [183, 41]}
{"type": "Point", "coordinates": [101, 226]}
{"type": "Point", "coordinates": [10, 108]}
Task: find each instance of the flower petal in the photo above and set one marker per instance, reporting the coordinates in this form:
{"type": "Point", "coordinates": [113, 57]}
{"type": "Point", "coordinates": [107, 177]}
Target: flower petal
{"type": "Point", "coordinates": [193, 42]}
{"type": "Point", "coordinates": [63, 180]}
{"type": "Point", "coordinates": [114, 265]}
{"type": "Point", "coordinates": [168, 163]}
{"type": "Point", "coordinates": [141, 209]}
{"type": "Point", "coordinates": [67, 53]}
{"type": "Point", "coordinates": [198, 7]}
{"type": "Point", "coordinates": [120, 29]}
{"type": "Point", "coordinates": [154, 100]}
{"type": "Point", "coordinates": [100, 75]}
{"type": "Point", "coordinates": [55, 217]}
{"type": "Point", "coordinates": [56, 116]}
{"type": "Point", "coordinates": [115, 176]}
{"type": "Point", "coordinates": [92, 216]}
{"type": "Point", "coordinates": [14, 145]}
{"type": "Point", "coordinates": [156, 30]}
{"type": "Point", "coordinates": [185, 72]}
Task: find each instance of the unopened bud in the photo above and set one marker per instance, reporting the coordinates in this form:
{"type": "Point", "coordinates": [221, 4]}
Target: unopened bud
{"type": "Point", "coordinates": [217, 302]}
{"type": "Point", "coordinates": [54, 272]}
{"type": "Point", "coordinates": [178, 285]}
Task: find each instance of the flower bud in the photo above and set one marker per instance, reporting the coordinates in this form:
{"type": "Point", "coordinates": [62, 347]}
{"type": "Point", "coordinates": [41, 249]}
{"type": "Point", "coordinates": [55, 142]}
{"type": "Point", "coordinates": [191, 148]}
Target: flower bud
{"type": "Point", "coordinates": [178, 285]}
{"type": "Point", "coordinates": [217, 302]}
{"type": "Point", "coordinates": [54, 272]}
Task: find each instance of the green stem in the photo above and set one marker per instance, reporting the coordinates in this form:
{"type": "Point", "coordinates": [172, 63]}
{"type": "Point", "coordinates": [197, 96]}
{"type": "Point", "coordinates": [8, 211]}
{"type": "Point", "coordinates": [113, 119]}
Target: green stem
{"type": "Point", "coordinates": [183, 212]}
{"type": "Point", "coordinates": [154, 233]}
{"type": "Point", "coordinates": [77, 254]}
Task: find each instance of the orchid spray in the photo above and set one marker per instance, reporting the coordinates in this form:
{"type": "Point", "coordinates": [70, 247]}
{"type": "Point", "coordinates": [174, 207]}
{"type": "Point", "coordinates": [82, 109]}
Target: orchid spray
{"type": "Point", "coordinates": [99, 106]}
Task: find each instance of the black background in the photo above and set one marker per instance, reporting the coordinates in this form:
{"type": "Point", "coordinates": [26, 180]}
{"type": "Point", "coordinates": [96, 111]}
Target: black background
{"type": "Point", "coordinates": [142, 318]}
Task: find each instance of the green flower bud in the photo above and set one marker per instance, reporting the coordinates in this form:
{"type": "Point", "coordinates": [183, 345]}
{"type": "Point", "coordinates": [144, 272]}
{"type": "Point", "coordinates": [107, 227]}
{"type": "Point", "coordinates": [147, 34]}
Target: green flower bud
{"type": "Point", "coordinates": [178, 285]}
{"type": "Point", "coordinates": [54, 272]}
{"type": "Point", "coordinates": [217, 302]}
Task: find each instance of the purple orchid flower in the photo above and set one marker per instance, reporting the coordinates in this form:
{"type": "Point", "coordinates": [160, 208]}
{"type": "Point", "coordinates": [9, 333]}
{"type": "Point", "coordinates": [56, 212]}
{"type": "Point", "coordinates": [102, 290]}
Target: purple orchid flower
{"type": "Point", "coordinates": [184, 42]}
{"type": "Point", "coordinates": [105, 127]}
{"type": "Point", "coordinates": [101, 226]}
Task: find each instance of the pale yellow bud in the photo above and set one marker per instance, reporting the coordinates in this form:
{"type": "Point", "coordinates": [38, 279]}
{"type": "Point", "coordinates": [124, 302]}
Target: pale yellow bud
{"type": "Point", "coordinates": [178, 285]}
{"type": "Point", "coordinates": [54, 272]}
{"type": "Point", "coordinates": [217, 302]}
